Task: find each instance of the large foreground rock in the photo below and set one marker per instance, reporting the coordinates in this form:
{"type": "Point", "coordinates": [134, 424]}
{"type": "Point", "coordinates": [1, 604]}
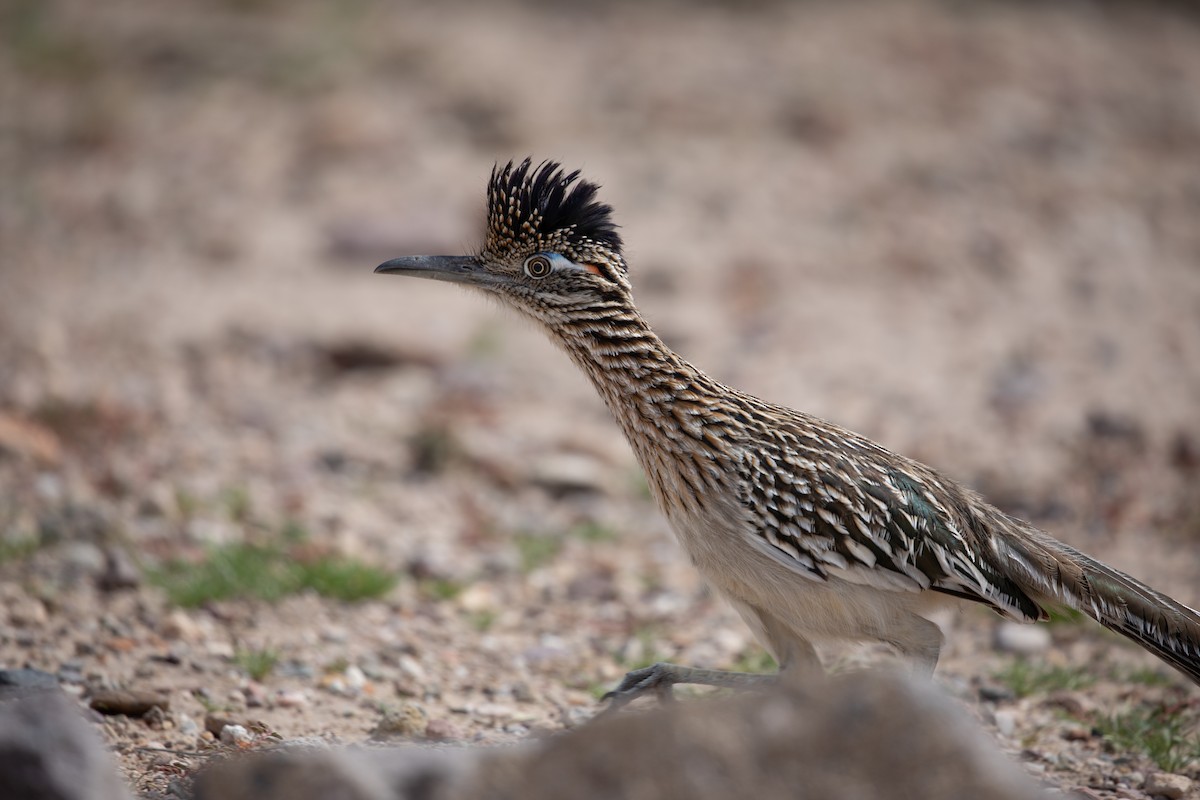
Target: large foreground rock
{"type": "Point", "coordinates": [49, 752]}
{"type": "Point", "coordinates": [861, 736]}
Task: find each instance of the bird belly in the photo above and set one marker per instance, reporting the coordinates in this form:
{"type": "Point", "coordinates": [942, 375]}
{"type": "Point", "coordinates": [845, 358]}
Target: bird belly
{"type": "Point", "coordinates": [807, 607]}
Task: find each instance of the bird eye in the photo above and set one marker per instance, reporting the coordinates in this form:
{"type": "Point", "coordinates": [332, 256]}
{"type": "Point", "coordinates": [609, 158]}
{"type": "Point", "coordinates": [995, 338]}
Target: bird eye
{"type": "Point", "coordinates": [538, 266]}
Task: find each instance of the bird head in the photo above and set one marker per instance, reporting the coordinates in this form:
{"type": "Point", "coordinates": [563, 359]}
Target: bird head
{"type": "Point", "coordinates": [550, 245]}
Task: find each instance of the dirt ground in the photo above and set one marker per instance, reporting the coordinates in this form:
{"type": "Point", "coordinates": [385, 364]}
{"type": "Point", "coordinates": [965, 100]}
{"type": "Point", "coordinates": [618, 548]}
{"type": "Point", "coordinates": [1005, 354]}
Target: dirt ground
{"type": "Point", "coordinates": [966, 229]}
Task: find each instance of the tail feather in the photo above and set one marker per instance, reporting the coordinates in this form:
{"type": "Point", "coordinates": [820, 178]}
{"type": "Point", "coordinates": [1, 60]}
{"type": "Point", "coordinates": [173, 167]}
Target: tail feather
{"type": "Point", "coordinates": [1058, 573]}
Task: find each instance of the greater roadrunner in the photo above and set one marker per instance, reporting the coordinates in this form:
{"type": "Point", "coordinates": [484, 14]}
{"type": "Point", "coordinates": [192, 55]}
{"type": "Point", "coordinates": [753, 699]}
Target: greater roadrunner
{"type": "Point", "coordinates": [811, 531]}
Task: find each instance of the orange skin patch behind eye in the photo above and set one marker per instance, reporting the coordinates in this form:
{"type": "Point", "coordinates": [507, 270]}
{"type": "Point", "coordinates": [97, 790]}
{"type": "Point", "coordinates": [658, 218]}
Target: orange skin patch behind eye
{"type": "Point", "coordinates": [592, 268]}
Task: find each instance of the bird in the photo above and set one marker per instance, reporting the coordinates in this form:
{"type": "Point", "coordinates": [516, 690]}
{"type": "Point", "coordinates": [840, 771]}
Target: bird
{"type": "Point", "coordinates": [811, 532]}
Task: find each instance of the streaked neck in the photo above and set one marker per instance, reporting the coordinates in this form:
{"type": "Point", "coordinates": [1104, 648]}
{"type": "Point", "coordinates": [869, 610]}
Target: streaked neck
{"type": "Point", "coordinates": [671, 412]}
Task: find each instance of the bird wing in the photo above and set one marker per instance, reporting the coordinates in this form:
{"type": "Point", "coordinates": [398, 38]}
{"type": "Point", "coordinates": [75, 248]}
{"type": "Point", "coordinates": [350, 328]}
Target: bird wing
{"type": "Point", "coordinates": [857, 512]}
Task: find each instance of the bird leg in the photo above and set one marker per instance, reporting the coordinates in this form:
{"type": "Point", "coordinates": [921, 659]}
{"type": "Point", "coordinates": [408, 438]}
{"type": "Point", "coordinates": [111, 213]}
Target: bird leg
{"type": "Point", "coordinates": [661, 678]}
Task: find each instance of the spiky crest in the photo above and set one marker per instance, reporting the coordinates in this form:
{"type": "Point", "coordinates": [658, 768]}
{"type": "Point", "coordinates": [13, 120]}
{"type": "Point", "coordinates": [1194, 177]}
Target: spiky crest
{"type": "Point", "coordinates": [540, 208]}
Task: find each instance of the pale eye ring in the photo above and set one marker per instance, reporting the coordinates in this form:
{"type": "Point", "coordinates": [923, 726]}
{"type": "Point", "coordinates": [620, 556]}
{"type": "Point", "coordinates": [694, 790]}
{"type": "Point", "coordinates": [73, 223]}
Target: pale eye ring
{"type": "Point", "coordinates": [538, 267]}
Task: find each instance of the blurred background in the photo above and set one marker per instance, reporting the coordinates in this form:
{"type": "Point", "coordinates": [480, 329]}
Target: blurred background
{"type": "Point", "coordinates": [969, 230]}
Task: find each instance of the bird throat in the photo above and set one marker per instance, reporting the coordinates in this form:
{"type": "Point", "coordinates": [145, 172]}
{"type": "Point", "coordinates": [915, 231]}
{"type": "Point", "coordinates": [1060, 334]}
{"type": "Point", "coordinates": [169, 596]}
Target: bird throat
{"type": "Point", "coordinates": [667, 408]}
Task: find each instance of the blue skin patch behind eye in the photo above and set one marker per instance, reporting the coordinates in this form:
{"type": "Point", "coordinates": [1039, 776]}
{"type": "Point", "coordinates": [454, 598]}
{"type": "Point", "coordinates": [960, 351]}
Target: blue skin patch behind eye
{"type": "Point", "coordinates": [560, 261]}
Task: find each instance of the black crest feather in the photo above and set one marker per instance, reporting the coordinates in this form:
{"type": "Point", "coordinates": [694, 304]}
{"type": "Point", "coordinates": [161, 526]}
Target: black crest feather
{"type": "Point", "coordinates": [550, 201]}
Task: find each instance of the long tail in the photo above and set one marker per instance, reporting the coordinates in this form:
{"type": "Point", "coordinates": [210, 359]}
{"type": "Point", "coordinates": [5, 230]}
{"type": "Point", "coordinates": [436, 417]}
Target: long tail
{"type": "Point", "coordinates": [1058, 573]}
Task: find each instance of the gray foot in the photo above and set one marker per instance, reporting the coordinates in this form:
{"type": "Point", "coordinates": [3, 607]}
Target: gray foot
{"type": "Point", "coordinates": [661, 678]}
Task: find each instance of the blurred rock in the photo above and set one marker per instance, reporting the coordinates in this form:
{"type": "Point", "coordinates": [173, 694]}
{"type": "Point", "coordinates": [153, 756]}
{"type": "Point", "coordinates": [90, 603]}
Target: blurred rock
{"type": "Point", "coordinates": [308, 774]}
{"type": "Point", "coordinates": [478, 597]}
{"type": "Point", "coordinates": [80, 559]}
{"type": "Point", "coordinates": [1015, 637]}
{"type": "Point", "coordinates": [180, 625]}
{"type": "Point", "coordinates": [119, 571]}
{"type": "Point", "coordinates": [187, 726]}
{"type": "Point", "coordinates": [1185, 453]}
{"type": "Point", "coordinates": [1165, 784]}
{"type": "Point", "coordinates": [73, 522]}
{"type": "Point", "coordinates": [522, 692]}
{"type": "Point", "coordinates": [442, 730]}
{"type": "Point", "coordinates": [214, 724]}
{"type": "Point", "coordinates": [129, 702]}
{"type": "Point", "coordinates": [356, 679]}
{"type": "Point", "coordinates": [26, 612]}
{"type": "Point", "coordinates": [48, 752]}
{"type": "Point", "coordinates": [1116, 427]}
{"type": "Point", "coordinates": [862, 735]}
{"type": "Point", "coordinates": [1076, 733]}
{"type": "Point", "coordinates": [568, 473]}
{"type": "Point", "coordinates": [236, 735]}
{"type": "Point", "coordinates": [995, 693]}
{"type": "Point", "coordinates": [255, 694]}
{"type": "Point", "coordinates": [16, 683]}
{"type": "Point", "coordinates": [27, 439]}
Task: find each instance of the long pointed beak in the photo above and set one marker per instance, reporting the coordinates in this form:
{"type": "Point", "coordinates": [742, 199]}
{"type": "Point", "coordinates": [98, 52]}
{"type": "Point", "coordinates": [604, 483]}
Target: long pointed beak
{"type": "Point", "coordinates": [456, 269]}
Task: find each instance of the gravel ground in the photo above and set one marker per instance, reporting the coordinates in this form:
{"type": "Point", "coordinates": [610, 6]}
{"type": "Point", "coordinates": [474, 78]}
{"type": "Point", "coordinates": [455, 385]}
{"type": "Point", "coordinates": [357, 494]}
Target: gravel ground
{"type": "Point", "coordinates": [966, 229]}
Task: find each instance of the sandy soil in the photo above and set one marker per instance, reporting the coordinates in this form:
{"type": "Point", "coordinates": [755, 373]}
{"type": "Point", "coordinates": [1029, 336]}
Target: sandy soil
{"type": "Point", "coordinates": [967, 230]}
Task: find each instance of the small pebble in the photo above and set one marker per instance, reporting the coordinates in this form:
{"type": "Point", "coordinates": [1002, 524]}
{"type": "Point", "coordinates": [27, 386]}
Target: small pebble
{"type": "Point", "coordinates": [1013, 637]}
{"type": "Point", "coordinates": [296, 669]}
{"type": "Point", "coordinates": [82, 558]}
{"type": "Point", "coordinates": [187, 726]}
{"type": "Point", "coordinates": [214, 724]}
{"type": "Point", "coordinates": [375, 671]}
{"type": "Point", "coordinates": [179, 625]}
{"type": "Point", "coordinates": [49, 486]}
{"type": "Point", "coordinates": [411, 667]}
{"type": "Point", "coordinates": [255, 694]}
{"type": "Point", "coordinates": [290, 698]}
{"type": "Point", "coordinates": [1076, 733]}
{"type": "Point", "coordinates": [1006, 722]}
{"type": "Point", "coordinates": [477, 597]}
{"type": "Point", "coordinates": [523, 693]}
{"type": "Point", "coordinates": [236, 735]}
{"type": "Point", "coordinates": [155, 718]}
{"type": "Point", "coordinates": [995, 693]}
{"type": "Point", "coordinates": [495, 710]}
{"type": "Point", "coordinates": [356, 679]}
{"type": "Point", "coordinates": [442, 730]}
{"type": "Point", "coordinates": [568, 473]}
{"type": "Point", "coordinates": [335, 634]}
{"type": "Point", "coordinates": [457, 703]}
{"type": "Point", "coordinates": [119, 571]}
{"type": "Point", "coordinates": [121, 644]}
{"type": "Point", "coordinates": [218, 649]}
{"type": "Point", "coordinates": [314, 742]}
{"type": "Point", "coordinates": [1068, 702]}
{"type": "Point", "coordinates": [27, 612]}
